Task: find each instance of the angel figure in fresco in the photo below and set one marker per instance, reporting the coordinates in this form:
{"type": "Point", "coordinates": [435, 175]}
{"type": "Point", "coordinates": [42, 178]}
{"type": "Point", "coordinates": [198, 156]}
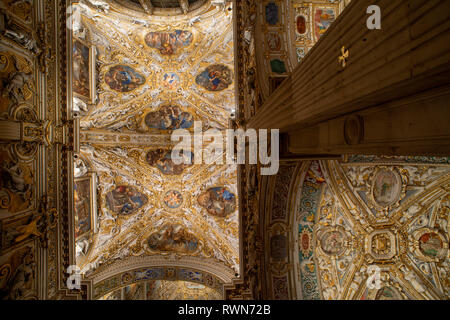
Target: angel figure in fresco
{"type": "Point", "coordinates": [171, 81]}
{"type": "Point", "coordinates": [123, 79]}
{"type": "Point", "coordinates": [125, 200]}
{"type": "Point", "coordinates": [215, 78]}
{"type": "Point", "coordinates": [162, 160]}
{"type": "Point", "coordinates": [218, 201]}
{"type": "Point", "coordinates": [169, 118]}
{"type": "Point", "coordinates": [173, 238]}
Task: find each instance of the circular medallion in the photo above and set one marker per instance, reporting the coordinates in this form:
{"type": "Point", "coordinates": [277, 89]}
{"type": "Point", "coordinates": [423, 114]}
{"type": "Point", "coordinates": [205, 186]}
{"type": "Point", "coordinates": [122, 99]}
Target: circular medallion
{"type": "Point", "coordinates": [332, 242]}
{"type": "Point", "coordinates": [386, 188]}
{"type": "Point", "coordinates": [173, 199]}
{"type": "Point", "coordinates": [431, 245]}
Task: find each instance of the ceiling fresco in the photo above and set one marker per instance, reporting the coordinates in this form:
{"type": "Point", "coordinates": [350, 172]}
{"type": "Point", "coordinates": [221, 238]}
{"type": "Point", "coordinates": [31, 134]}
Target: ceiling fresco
{"type": "Point", "coordinates": [164, 290]}
{"type": "Point", "coordinates": [153, 76]}
{"type": "Point", "coordinates": [359, 216]}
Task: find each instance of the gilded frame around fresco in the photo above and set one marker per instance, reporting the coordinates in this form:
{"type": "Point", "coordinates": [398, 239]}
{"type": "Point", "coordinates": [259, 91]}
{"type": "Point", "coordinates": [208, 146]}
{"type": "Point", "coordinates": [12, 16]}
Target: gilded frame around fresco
{"type": "Point", "coordinates": [92, 72]}
{"type": "Point", "coordinates": [92, 203]}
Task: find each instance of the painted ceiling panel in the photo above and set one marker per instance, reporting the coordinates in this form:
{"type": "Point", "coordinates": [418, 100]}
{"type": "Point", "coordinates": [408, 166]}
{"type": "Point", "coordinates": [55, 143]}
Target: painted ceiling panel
{"type": "Point", "coordinates": [154, 76]}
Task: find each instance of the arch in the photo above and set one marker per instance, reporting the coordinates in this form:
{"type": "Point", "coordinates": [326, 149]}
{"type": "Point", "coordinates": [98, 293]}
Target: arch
{"type": "Point", "coordinates": [141, 269]}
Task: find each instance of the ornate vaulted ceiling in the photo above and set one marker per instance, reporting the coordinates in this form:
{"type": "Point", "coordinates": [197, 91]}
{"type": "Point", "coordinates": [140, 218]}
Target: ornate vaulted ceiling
{"type": "Point", "coordinates": [153, 75]}
{"type": "Point", "coordinates": [363, 228]}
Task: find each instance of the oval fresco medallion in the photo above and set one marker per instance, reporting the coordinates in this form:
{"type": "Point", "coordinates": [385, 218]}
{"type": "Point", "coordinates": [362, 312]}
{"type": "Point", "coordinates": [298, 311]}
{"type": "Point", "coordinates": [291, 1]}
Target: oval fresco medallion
{"type": "Point", "coordinates": [301, 24]}
{"type": "Point", "coordinates": [125, 200]}
{"type": "Point", "coordinates": [216, 77]}
{"type": "Point", "coordinates": [169, 118]}
{"type": "Point", "coordinates": [162, 159]}
{"type": "Point", "coordinates": [173, 238]}
{"type": "Point", "coordinates": [332, 242]}
{"type": "Point", "coordinates": [173, 199]}
{"type": "Point", "coordinates": [386, 188]}
{"type": "Point", "coordinates": [218, 201]}
{"type": "Point", "coordinates": [431, 245]}
{"type": "Point", "coordinates": [123, 79]}
{"type": "Point", "coordinates": [168, 43]}
{"type": "Point", "coordinates": [388, 293]}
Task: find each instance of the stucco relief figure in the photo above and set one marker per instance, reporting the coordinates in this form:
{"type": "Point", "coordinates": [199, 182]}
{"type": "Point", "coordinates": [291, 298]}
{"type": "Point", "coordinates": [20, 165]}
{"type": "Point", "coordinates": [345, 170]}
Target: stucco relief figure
{"type": "Point", "coordinates": [169, 43]}
{"type": "Point", "coordinates": [218, 201]}
{"type": "Point", "coordinates": [17, 275]}
{"type": "Point", "coordinates": [332, 242]}
{"type": "Point", "coordinates": [125, 200]}
{"type": "Point", "coordinates": [16, 82]}
{"type": "Point", "coordinates": [173, 238]}
{"type": "Point", "coordinates": [215, 78]}
{"type": "Point", "coordinates": [169, 118]}
{"type": "Point", "coordinates": [123, 79]}
{"type": "Point", "coordinates": [162, 159]}
{"type": "Point", "coordinates": [15, 185]}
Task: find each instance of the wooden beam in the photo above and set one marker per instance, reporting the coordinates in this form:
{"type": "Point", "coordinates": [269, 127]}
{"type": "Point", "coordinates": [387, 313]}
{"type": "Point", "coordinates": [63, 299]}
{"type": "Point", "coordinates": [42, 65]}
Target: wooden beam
{"type": "Point", "coordinates": [416, 125]}
{"type": "Point", "coordinates": [409, 55]}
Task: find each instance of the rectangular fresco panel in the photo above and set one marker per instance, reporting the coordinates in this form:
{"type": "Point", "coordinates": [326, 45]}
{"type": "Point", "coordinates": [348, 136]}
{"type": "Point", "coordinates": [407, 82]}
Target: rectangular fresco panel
{"type": "Point", "coordinates": [83, 71]}
{"type": "Point", "coordinates": [83, 205]}
{"type": "Point", "coordinates": [323, 18]}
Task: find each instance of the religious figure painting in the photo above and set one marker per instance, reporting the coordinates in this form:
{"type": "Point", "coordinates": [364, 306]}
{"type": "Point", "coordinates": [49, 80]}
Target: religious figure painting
{"type": "Point", "coordinates": [123, 79]}
{"type": "Point", "coordinates": [16, 184]}
{"type": "Point", "coordinates": [431, 245]}
{"type": "Point", "coordinates": [125, 200]}
{"type": "Point", "coordinates": [323, 18]}
{"type": "Point", "coordinates": [169, 118]}
{"type": "Point", "coordinates": [272, 13]}
{"type": "Point", "coordinates": [218, 201]}
{"type": "Point", "coordinates": [173, 238]}
{"type": "Point", "coordinates": [332, 242]}
{"type": "Point", "coordinates": [387, 186]}
{"type": "Point", "coordinates": [168, 43]}
{"type": "Point", "coordinates": [216, 77]}
{"type": "Point", "coordinates": [162, 159]}
{"type": "Point", "coordinates": [171, 81]}
{"type": "Point", "coordinates": [388, 293]}
{"type": "Point", "coordinates": [301, 24]}
{"type": "Point", "coordinates": [274, 41]}
{"type": "Point", "coordinates": [82, 205]}
{"type": "Point", "coordinates": [83, 76]}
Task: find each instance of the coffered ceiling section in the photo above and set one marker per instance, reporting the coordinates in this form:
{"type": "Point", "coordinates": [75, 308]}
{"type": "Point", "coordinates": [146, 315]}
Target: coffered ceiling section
{"type": "Point", "coordinates": [135, 80]}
